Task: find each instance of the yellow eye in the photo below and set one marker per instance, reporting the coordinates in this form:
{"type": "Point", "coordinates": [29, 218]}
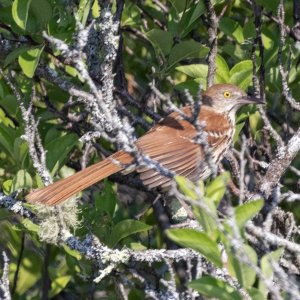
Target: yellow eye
{"type": "Point", "coordinates": [227, 94]}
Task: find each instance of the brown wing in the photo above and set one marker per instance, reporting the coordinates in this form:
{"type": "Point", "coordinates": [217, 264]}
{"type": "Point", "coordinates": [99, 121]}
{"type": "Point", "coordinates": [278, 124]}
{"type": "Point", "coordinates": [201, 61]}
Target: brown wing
{"type": "Point", "coordinates": [174, 148]}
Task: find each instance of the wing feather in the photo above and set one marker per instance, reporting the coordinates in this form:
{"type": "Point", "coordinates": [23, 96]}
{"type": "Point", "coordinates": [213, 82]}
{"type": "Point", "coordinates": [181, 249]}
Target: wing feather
{"type": "Point", "coordinates": [177, 166]}
{"type": "Point", "coordinates": [175, 149]}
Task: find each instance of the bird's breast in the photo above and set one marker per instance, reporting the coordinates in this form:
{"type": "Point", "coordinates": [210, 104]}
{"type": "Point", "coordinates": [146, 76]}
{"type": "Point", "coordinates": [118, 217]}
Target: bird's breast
{"type": "Point", "coordinates": [220, 140]}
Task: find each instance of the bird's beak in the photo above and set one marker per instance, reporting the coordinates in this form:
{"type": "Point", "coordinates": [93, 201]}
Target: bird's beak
{"type": "Point", "coordinates": [251, 100]}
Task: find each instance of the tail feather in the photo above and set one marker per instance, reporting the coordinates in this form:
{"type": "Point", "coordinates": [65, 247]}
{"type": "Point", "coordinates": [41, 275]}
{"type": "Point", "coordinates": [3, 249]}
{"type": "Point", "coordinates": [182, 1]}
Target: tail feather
{"type": "Point", "coordinates": [65, 188]}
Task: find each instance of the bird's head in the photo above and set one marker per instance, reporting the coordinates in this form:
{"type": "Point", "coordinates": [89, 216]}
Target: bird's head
{"type": "Point", "coordinates": [227, 98]}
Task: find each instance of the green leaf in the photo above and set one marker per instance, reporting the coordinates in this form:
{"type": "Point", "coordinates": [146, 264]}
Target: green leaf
{"type": "Point", "coordinates": [214, 288]}
{"type": "Point", "coordinates": [1, 91]}
{"type": "Point", "coordinates": [52, 134]}
{"type": "Point", "coordinates": [83, 10]}
{"type": "Point", "coordinates": [232, 28]}
{"type": "Point", "coordinates": [162, 41]}
{"type": "Point", "coordinates": [222, 72]}
{"type": "Point", "coordinates": [20, 151]}
{"type": "Point", "coordinates": [265, 262]}
{"type": "Point", "coordinates": [238, 128]}
{"type": "Point", "coordinates": [20, 9]}
{"type": "Point", "coordinates": [267, 269]}
{"type": "Point", "coordinates": [241, 66]}
{"type": "Point", "coordinates": [186, 187]}
{"type": "Point", "coordinates": [15, 54]}
{"type": "Point", "coordinates": [41, 10]}
{"type": "Point", "coordinates": [207, 219]}
{"type": "Point", "coordinates": [269, 42]}
{"type": "Point", "coordinates": [131, 15]}
{"type": "Point", "coordinates": [179, 5]}
{"type": "Point", "coordinates": [191, 85]}
{"type": "Point", "coordinates": [5, 120]}
{"type": "Point", "coordinates": [73, 253]}
{"type": "Point", "coordinates": [58, 150]}
{"type": "Point", "coordinates": [184, 50]}
{"type": "Point", "coordinates": [6, 186]}
{"type": "Point", "coordinates": [96, 9]}
{"type": "Point", "coordinates": [72, 71]}
{"type": "Point", "coordinates": [242, 271]}
{"type": "Point", "coordinates": [269, 4]}
{"type": "Point", "coordinates": [241, 74]}
{"type": "Point", "coordinates": [243, 114]}
{"type": "Point", "coordinates": [249, 29]}
{"type": "Point", "coordinates": [194, 71]}
{"type": "Point", "coordinates": [206, 216]}
{"type": "Point", "coordinates": [274, 78]}
{"type": "Point", "coordinates": [124, 229]}
{"type": "Point", "coordinates": [7, 136]}
{"type": "Point", "coordinates": [30, 226]}
{"type": "Point", "coordinates": [106, 201]}
{"type": "Point", "coordinates": [21, 180]}
{"type": "Point", "coordinates": [137, 247]}
{"type": "Point", "coordinates": [256, 294]}
{"type": "Point", "coordinates": [58, 284]}
{"type": "Point", "coordinates": [29, 60]}
{"type": "Point", "coordinates": [11, 105]}
{"type": "Point", "coordinates": [190, 17]}
{"type": "Point", "coordinates": [66, 171]}
{"type": "Point", "coordinates": [174, 21]}
{"type": "Point", "coordinates": [242, 79]}
{"type": "Point", "coordinates": [255, 122]}
{"type": "Point", "coordinates": [30, 264]}
{"type": "Point", "coordinates": [236, 51]}
{"type": "Point", "coordinates": [198, 241]}
{"type": "Point", "coordinates": [217, 188]}
{"type": "Point", "coordinates": [247, 211]}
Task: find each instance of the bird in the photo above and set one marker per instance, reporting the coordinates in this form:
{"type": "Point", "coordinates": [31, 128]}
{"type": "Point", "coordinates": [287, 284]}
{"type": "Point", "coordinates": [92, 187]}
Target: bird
{"type": "Point", "coordinates": [170, 143]}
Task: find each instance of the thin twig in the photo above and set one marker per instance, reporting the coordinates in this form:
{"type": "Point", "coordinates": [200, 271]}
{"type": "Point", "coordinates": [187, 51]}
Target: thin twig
{"type": "Point", "coordinates": [213, 42]}
{"type": "Point", "coordinates": [284, 73]}
{"type": "Point", "coordinates": [4, 281]}
{"type": "Point", "coordinates": [19, 261]}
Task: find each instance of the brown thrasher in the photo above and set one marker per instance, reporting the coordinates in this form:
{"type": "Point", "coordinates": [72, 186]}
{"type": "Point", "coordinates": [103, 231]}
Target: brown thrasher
{"type": "Point", "coordinates": [170, 143]}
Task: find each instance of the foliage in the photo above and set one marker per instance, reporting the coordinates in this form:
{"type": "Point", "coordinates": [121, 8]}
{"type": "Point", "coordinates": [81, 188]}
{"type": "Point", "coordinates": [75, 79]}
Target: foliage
{"type": "Point", "coordinates": [166, 44]}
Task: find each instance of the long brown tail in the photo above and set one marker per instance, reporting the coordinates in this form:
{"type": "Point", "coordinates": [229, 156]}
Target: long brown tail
{"type": "Point", "coordinates": [65, 188]}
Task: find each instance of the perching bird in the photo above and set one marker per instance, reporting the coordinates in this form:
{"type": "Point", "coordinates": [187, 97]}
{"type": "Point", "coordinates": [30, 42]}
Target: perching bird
{"type": "Point", "coordinates": [170, 143]}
